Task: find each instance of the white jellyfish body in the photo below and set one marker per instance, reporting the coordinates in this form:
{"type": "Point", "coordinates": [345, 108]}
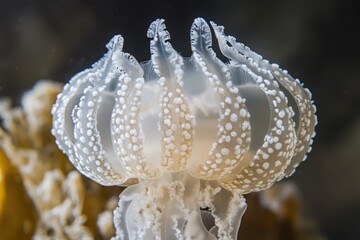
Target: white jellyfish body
{"type": "Point", "coordinates": [186, 133]}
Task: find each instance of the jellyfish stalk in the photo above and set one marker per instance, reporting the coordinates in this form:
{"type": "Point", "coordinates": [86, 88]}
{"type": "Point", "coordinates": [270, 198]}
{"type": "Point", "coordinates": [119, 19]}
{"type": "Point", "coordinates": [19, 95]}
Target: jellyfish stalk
{"type": "Point", "coordinates": [188, 136]}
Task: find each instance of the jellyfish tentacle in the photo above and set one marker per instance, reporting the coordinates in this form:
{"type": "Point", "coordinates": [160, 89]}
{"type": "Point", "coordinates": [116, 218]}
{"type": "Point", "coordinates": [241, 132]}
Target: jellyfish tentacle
{"type": "Point", "coordinates": [133, 217]}
{"type": "Point", "coordinates": [272, 158]}
{"type": "Point", "coordinates": [227, 209]}
{"type": "Point", "coordinates": [307, 119]}
{"type": "Point", "coordinates": [126, 130]}
{"type": "Point", "coordinates": [88, 156]}
{"type": "Point", "coordinates": [239, 54]}
{"type": "Point", "coordinates": [63, 125]}
{"type": "Point", "coordinates": [176, 120]}
{"type": "Point", "coordinates": [92, 119]}
{"type": "Point", "coordinates": [166, 61]}
{"type": "Point", "coordinates": [247, 55]}
{"type": "Point", "coordinates": [234, 127]}
{"type": "Point", "coordinates": [127, 135]}
{"type": "Point", "coordinates": [305, 129]}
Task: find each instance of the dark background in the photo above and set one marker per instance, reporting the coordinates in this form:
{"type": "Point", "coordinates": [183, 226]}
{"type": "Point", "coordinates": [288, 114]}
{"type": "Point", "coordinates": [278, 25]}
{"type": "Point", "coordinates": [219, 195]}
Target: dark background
{"type": "Point", "coordinates": [317, 41]}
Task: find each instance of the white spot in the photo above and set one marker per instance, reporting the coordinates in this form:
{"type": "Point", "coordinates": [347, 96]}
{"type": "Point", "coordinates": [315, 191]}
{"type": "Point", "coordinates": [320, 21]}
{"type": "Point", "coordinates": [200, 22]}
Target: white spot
{"type": "Point", "coordinates": [225, 151]}
{"type": "Point", "coordinates": [228, 100]}
{"type": "Point", "coordinates": [278, 146]}
{"type": "Point", "coordinates": [233, 117]}
{"type": "Point", "coordinates": [90, 104]}
{"type": "Point", "coordinates": [184, 147]}
{"type": "Point", "coordinates": [177, 100]}
{"type": "Point", "coordinates": [282, 114]}
{"type": "Point", "coordinates": [228, 126]}
{"type": "Point", "coordinates": [242, 112]}
{"type": "Point", "coordinates": [265, 165]}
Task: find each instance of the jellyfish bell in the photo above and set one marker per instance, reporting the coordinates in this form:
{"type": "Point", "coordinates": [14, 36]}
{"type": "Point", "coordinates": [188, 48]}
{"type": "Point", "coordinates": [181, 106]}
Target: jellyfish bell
{"type": "Point", "coordinates": [186, 134]}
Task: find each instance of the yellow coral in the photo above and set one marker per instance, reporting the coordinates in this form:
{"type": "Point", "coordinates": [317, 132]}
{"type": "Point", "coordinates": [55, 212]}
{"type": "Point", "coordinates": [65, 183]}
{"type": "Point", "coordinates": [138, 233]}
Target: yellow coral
{"type": "Point", "coordinates": [67, 205]}
{"type": "Point", "coordinates": [2, 181]}
{"type": "Point", "coordinates": [17, 221]}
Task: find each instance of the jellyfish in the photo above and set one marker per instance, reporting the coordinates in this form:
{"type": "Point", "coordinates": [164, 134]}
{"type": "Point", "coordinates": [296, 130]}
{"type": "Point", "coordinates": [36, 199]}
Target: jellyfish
{"type": "Point", "coordinates": [187, 136]}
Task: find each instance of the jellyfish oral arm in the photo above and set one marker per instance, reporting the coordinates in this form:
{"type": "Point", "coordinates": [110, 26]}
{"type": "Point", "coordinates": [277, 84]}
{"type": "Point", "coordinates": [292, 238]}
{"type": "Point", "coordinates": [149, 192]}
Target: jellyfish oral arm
{"type": "Point", "coordinates": [178, 206]}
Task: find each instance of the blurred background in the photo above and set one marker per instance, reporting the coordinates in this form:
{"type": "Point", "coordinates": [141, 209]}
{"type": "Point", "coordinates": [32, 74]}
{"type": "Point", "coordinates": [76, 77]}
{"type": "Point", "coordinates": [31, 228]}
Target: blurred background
{"type": "Point", "coordinates": [316, 41]}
